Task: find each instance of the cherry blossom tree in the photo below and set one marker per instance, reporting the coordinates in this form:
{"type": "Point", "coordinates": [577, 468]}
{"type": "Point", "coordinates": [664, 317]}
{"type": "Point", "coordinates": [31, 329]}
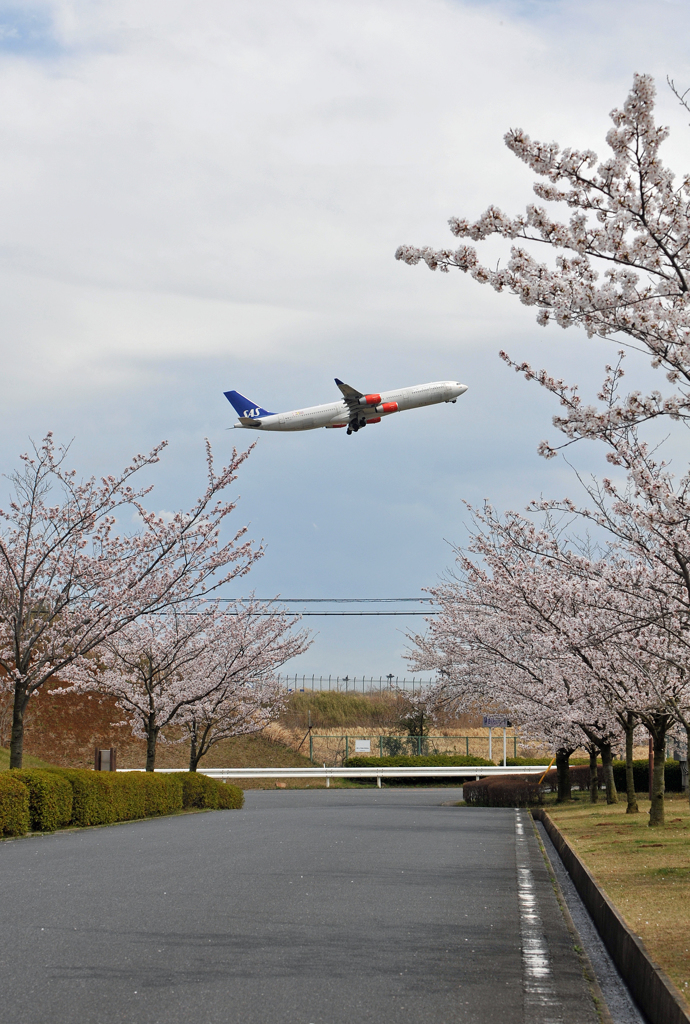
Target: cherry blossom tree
{"type": "Point", "coordinates": [239, 708]}
{"type": "Point", "coordinates": [237, 672]}
{"type": "Point", "coordinates": [71, 578]}
{"type": "Point", "coordinates": [487, 650]}
{"type": "Point", "coordinates": [619, 269]}
{"type": "Point", "coordinates": [199, 668]}
{"type": "Point", "coordinates": [143, 666]}
{"type": "Point", "coordinates": [419, 710]}
{"type": "Point", "coordinates": [628, 219]}
{"type": "Point", "coordinates": [561, 636]}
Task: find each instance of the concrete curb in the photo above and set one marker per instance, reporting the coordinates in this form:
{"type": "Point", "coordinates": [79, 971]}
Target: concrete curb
{"type": "Point", "coordinates": [653, 991]}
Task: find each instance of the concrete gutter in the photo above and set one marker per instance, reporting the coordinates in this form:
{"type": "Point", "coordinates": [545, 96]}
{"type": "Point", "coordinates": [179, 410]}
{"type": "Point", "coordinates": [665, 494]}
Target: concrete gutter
{"type": "Point", "coordinates": [652, 989]}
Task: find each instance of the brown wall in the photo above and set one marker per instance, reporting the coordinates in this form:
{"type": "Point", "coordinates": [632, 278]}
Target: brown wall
{"type": "Point", "coordinates": [65, 729]}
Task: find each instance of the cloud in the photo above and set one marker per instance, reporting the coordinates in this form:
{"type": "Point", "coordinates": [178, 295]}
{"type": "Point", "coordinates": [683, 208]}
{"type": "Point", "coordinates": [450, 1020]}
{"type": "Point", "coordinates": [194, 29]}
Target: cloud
{"type": "Point", "coordinates": [203, 196]}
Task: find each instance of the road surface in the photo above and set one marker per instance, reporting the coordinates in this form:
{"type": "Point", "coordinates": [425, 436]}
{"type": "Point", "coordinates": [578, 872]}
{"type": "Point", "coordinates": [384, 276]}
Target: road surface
{"type": "Point", "coordinates": [307, 907]}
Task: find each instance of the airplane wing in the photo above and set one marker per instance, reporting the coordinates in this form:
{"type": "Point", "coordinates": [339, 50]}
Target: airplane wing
{"type": "Point", "coordinates": [350, 394]}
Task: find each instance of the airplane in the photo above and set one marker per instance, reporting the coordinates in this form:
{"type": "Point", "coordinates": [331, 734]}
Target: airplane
{"type": "Point", "coordinates": [354, 411]}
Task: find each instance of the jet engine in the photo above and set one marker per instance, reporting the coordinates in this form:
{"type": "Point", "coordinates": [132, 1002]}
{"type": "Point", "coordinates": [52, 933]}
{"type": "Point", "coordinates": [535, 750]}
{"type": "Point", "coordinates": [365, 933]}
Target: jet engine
{"type": "Point", "coordinates": [370, 399]}
{"type": "Point", "coordinates": [387, 407]}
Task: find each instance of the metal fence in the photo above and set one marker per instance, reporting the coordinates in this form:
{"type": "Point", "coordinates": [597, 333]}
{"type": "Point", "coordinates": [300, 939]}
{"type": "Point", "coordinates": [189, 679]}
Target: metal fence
{"type": "Point", "coordinates": [352, 684]}
{"type": "Point", "coordinates": [336, 749]}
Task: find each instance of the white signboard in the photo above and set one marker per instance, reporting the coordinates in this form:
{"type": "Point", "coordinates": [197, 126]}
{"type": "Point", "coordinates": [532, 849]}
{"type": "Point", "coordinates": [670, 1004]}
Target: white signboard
{"type": "Point", "coordinates": [495, 722]}
{"type": "Point", "coordinates": [362, 746]}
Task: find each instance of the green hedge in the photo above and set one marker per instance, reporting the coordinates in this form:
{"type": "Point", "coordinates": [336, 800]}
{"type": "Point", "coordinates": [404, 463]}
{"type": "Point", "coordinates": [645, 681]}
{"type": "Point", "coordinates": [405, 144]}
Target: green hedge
{"type": "Point", "coordinates": [101, 798]}
{"type": "Point", "coordinates": [163, 794]}
{"type": "Point", "coordinates": [203, 792]}
{"type": "Point", "coordinates": [423, 761]}
{"type": "Point", "coordinates": [43, 800]}
{"type": "Point", "coordinates": [50, 799]}
{"type": "Point", "coordinates": [230, 798]}
{"type": "Point", "coordinates": [579, 776]}
{"type": "Point", "coordinates": [672, 776]}
{"type": "Point", "coordinates": [518, 762]}
{"type": "Point", "coordinates": [14, 805]}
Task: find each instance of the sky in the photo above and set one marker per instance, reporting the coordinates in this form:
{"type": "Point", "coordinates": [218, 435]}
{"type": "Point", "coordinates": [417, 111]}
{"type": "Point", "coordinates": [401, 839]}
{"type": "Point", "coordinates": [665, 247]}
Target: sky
{"type": "Point", "coordinates": [203, 197]}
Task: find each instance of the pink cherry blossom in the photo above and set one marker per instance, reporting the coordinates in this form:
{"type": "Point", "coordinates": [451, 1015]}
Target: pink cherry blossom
{"type": "Point", "coordinates": [72, 577]}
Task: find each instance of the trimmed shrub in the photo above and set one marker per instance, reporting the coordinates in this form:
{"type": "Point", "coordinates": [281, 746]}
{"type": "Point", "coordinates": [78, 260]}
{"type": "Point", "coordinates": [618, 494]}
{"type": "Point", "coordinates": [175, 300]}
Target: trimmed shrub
{"type": "Point", "coordinates": [126, 795]}
{"type": "Point", "coordinates": [163, 793]}
{"type": "Point", "coordinates": [672, 776]}
{"type": "Point", "coordinates": [518, 762]}
{"type": "Point", "coordinates": [425, 761]}
{"type": "Point", "coordinates": [50, 798]}
{"type": "Point", "coordinates": [406, 761]}
{"type": "Point", "coordinates": [204, 792]}
{"type": "Point", "coordinates": [504, 791]}
{"type": "Point", "coordinates": [101, 798]}
{"type": "Point", "coordinates": [87, 803]}
{"type": "Point", "coordinates": [230, 798]}
{"type": "Point", "coordinates": [14, 805]}
{"type": "Point", "coordinates": [199, 791]}
{"type": "Point", "coordinates": [106, 797]}
{"type": "Point", "coordinates": [579, 774]}
{"type": "Point", "coordinates": [483, 793]}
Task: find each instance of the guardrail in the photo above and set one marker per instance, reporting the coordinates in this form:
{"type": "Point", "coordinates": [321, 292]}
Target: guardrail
{"type": "Point", "coordinates": [452, 771]}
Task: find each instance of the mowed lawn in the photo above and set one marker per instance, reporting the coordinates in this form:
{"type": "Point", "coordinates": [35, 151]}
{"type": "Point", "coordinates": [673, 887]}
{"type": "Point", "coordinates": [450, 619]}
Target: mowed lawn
{"type": "Point", "coordinates": [644, 871]}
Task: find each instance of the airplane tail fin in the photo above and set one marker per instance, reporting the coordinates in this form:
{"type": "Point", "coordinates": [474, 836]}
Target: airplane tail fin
{"type": "Point", "coordinates": [243, 407]}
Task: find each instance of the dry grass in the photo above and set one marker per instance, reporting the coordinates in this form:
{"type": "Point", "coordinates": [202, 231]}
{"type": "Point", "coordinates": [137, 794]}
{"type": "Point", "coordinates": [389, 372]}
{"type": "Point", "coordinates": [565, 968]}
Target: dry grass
{"type": "Point", "coordinates": [644, 871]}
{"type": "Point", "coordinates": [329, 744]}
{"type": "Point", "coordinates": [259, 751]}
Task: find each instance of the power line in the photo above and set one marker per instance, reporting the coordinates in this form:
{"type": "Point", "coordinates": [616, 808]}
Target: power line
{"type": "Point", "coordinates": [342, 614]}
{"type": "Point", "coordinates": [328, 600]}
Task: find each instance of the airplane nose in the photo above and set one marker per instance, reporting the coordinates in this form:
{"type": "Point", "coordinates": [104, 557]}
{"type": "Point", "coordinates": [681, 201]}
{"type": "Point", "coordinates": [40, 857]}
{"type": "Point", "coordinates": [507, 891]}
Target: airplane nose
{"type": "Point", "coordinates": [462, 388]}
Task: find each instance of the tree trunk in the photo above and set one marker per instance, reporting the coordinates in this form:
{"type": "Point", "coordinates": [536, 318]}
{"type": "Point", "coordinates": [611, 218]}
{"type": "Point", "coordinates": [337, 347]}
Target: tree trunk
{"type": "Point", "coordinates": [656, 810]}
{"type": "Point", "coordinates": [17, 738]}
{"type": "Point", "coordinates": [593, 775]}
{"type": "Point", "coordinates": [629, 728]}
{"type": "Point", "coordinates": [607, 763]}
{"type": "Point", "coordinates": [563, 775]}
{"type": "Point", "coordinates": [151, 738]}
{"type": "Point", "coordinates": [194, 757]}
{"type": "Point", "coordinates": [687, 754]}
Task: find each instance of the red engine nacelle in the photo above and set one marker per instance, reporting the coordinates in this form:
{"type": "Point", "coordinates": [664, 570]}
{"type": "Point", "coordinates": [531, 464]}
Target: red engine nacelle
{"type": "Point", "coordinates": [376, 419]}
{"type": "Point", "coordinates": [387, 407]}
{"type": "Point", "coordinates": [370, 400]}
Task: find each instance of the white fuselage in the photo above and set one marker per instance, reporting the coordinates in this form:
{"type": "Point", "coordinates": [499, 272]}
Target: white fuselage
{"type": "Point", "coordinates": [338, 414]}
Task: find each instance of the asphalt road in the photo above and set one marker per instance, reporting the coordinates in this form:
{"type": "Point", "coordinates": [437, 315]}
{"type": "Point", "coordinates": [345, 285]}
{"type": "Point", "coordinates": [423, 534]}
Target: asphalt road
{"type": "Point", "coordinates": [307, 907]}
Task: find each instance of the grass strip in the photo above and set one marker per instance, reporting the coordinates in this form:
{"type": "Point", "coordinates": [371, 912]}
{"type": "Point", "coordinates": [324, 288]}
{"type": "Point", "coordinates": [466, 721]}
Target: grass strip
{"type": "Point", "coordinates": [644, 872]}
